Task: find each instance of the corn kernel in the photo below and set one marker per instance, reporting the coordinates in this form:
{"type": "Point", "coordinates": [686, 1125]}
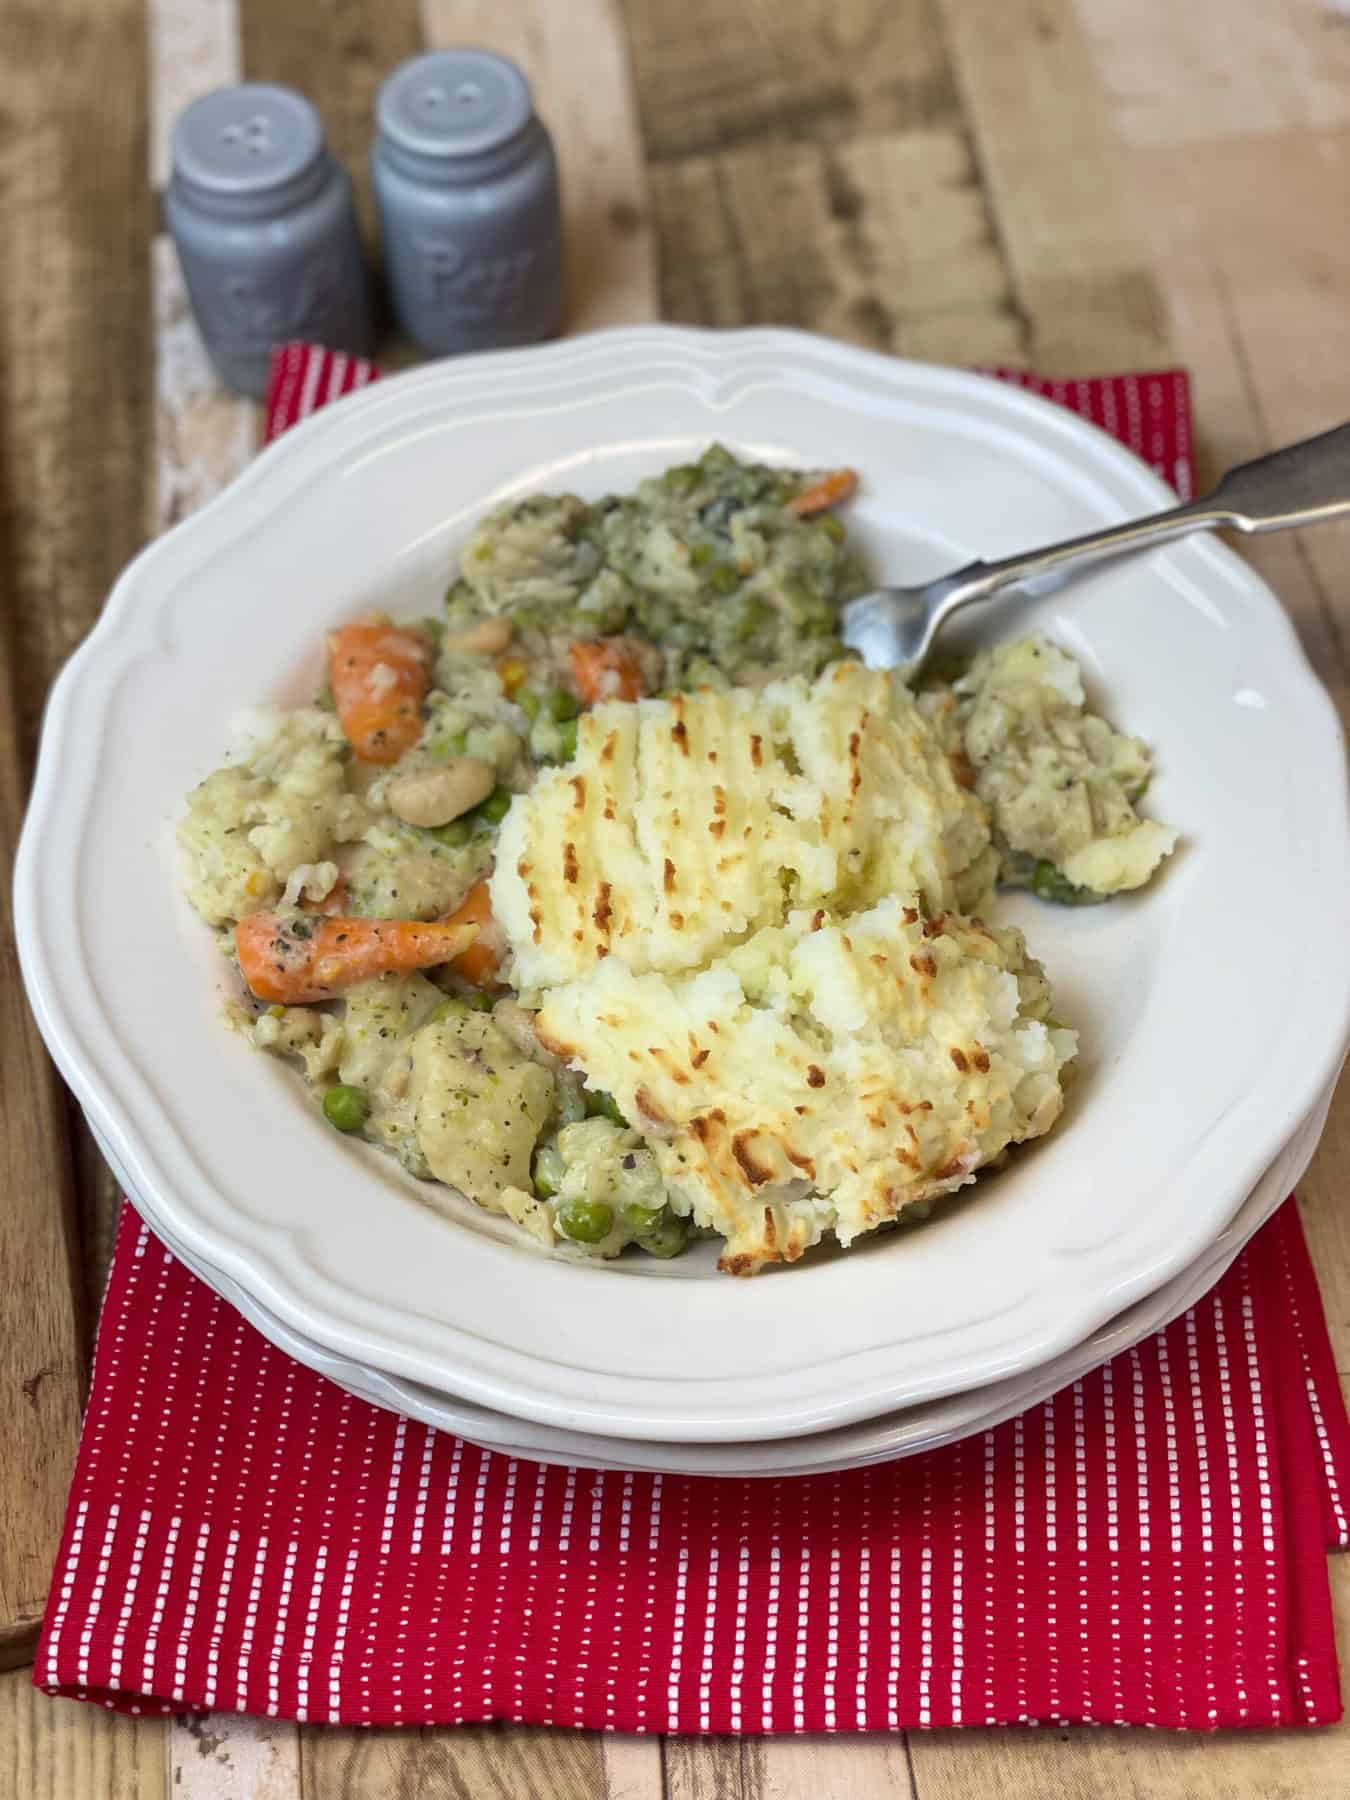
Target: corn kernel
{"type": "Point", "coordinates": [512, 671]}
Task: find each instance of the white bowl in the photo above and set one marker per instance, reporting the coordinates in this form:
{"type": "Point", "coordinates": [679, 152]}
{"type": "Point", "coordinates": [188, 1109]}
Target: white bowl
{"type": "Point", "coordinates": [1213, 1007]}
{"type": "Point", "coordinates": [899, 1434]}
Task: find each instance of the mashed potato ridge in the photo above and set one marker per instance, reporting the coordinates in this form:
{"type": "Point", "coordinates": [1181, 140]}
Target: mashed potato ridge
{"type": "Point", "coordinates": [684, 825]}
{"type": "Point", "coordinates": [825, 1075]}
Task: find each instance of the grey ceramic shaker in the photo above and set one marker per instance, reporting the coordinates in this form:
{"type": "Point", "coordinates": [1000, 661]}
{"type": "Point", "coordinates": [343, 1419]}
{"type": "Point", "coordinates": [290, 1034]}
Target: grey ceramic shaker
{"type": "Point", "coordinates": [263, 220]}
{"type": "Point", "coordinates": [467, 186]}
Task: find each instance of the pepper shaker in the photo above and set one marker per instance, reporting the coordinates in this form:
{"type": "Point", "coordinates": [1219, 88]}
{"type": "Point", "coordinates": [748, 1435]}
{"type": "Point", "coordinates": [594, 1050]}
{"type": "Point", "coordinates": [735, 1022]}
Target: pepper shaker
{"type": "Point", "coordinates": [265, 227]}
{"type": "Point", "coordinates": [466, 182]}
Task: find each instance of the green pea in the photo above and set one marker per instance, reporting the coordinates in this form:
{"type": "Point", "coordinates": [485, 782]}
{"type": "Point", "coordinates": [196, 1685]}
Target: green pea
{"type": "Point", "coordinates": [548, 1172]}
{"type": "Point", "coordinates": [754, 616]}
{"type": "Point", "coordinates": [701, 555]}
{"type": "Point", "coordinates": [562, 705]}
{"type": "Point", "coordinates": [586, 1221]}
{"type": "Point", "coordinates": [495, 808]}
{"type": "Point", "coordinates": [724, 579]}
{"type": "Point", "coordinates": [603, 1106]}
{"type": "Point", "coordinates": [453, 835]}
{"type": "Point", "coordinates": [345, 1107]}
{"type": "Point", "coordinates": [529, 703]}
{"type": "Point", "coordinates": [454, 1006]}
{"type": "Point", "coordinates": [567, 740]}
{"type": "Point", "coordinates": [666, 1236]}
{"type": "Point", "coordinates": [832, 527]}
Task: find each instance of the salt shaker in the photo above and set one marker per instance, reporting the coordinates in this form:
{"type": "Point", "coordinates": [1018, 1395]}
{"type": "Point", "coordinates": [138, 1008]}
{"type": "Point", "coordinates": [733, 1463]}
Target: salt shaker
{"type": "Point", "coordinates": [266, 231]}
{"type": "Point", "coordinates": [467, 187]}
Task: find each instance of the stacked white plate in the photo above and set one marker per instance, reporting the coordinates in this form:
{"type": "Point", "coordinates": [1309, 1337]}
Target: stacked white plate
{"type": "Point", "coordinates": [1212, 1008]}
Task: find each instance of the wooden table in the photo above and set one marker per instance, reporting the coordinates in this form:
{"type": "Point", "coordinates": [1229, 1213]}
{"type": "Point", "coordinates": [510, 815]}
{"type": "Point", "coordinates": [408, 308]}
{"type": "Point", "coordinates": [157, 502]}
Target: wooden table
{"type": "Point", "coordinates": [1083, 187]}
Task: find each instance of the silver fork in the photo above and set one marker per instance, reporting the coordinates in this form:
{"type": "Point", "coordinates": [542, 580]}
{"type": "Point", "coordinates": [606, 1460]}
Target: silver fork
{"type": "Point", "coordinates": [894, 627]}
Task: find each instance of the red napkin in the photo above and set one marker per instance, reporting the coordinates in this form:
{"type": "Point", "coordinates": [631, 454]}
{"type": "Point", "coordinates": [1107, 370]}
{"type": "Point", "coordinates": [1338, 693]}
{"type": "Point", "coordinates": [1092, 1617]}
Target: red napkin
{"type": "Point", "coordinates": [1146, 1547]}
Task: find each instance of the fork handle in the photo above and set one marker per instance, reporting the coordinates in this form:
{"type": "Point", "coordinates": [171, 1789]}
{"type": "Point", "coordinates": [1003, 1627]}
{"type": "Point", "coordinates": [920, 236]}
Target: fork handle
{"type": "Point", "coordinates": [1299, 485]}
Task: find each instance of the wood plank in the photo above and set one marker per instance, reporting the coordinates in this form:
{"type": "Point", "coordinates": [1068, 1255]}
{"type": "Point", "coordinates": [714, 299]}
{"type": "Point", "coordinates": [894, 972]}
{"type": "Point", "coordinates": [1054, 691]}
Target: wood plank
{"type": "Point", "coordinates": [714, 1768]}
{"type": "Point", "coordinates": [74, 323]}
{"type": "Point", "coordinates": [470, 1762]}
{"type": "Point", "coordinates": [522, 1762]}
{"type": "Point", "coordinates": [204, 434]}
{"type": "Point", "coordinates": [1263, 230]}
{"type": "Point", "coordinates": [57, 1750]}
{"type": "Point", "coordinates": [1050, 167]}
{"type": "Point", "coordinates": [711, 74]}
{"type": "Point", "coordinates": [788, 1768]}
{"type": "Point", "coordinates": [74, 350]}
{"type": "Point", "coordinates": [632, 1767]}
{"type": "Point", "coordinates": [192, 46]}
{"type": "Point", "coordinates": [1258, 321]}
{"type": "Point", "coordinates": [845, 1768]}
{"type": "Point", "coordinates": [886, 242]}
{"type": "Point", "coordinates": [1209, 69]}
{"type": "Point", "coordinates": [573, 58]}
{"type": "Point", "coordinates": [42, 1344]}
{"type": "Point", "coordinates": [225, 1756]}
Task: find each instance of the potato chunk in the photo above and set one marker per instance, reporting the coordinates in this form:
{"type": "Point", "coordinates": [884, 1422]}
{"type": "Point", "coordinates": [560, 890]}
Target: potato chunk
{"type": "Point", "coordinates": [478, 1107]}
{"type": "Point", "coordinates": [684, 825]}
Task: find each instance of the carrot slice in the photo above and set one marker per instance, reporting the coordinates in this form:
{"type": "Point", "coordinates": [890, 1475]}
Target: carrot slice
{"type": "Point", "coordinates": [607, 669]}
{"type": "Point", "coordinates": [314, 958]}
{"type": "Point", "coordinates": [830, 490]}
{"type": "Point", "coordinates": [480, 962]}
{"type": "Point", "coordinates": [379, 677]}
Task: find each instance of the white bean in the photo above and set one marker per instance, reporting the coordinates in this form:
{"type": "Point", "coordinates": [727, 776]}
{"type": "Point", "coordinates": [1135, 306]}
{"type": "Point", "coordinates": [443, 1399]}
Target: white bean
{"type": "Point", "coordinates": [432, 797]}
{"type": "Point", "coordinates": [489, 637]}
